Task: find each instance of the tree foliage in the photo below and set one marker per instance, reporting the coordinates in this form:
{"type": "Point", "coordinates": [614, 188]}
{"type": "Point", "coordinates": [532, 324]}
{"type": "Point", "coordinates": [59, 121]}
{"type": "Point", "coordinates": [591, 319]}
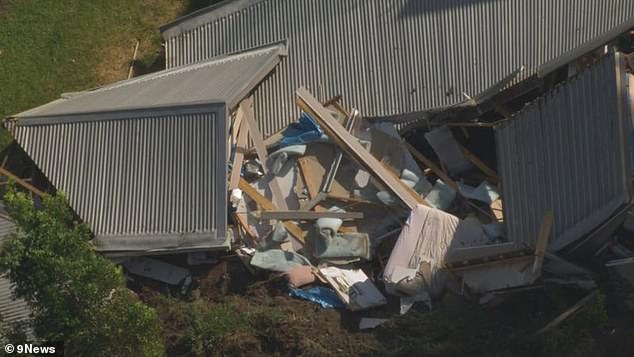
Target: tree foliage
{"type": "Point", "coordinates": [76, 295]}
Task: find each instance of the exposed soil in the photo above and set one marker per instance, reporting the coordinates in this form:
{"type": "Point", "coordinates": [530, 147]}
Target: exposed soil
{"type": "Point", "coordinates": [253, 315]}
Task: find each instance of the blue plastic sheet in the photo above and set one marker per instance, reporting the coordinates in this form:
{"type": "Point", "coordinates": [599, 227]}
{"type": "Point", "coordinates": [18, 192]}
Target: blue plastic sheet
{"type": "Point", "coordinates": [326, 298]}
{"type": "Point", "coordinates": [301, 132]}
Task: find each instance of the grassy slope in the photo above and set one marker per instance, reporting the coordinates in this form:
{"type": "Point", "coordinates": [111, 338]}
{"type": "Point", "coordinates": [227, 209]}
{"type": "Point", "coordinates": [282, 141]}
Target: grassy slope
{"type": "Point", "coordinates": [48, 47]}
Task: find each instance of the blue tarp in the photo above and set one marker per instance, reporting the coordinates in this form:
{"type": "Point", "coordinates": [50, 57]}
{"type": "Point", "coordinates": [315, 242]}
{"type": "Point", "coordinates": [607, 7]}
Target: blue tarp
{"type": "Point", "coordinates": [303, 131]}
{"type": "Point", "coordinates": [326, 298]}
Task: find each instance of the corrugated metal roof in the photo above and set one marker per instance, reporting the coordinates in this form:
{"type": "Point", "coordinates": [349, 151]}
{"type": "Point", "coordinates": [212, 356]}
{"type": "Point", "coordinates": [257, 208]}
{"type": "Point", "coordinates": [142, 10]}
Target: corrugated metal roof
{"type": "Point", "coordinates": [394, 57]}
{"type": "Point", "coordinates": [226, 79]}
{"type": "Point", "coordinates": [142, 184]}
{"type": "Point", "coordinates": [567, 152]}
{"type": "Point", "coordinates": [144, 161]}
{"type": "Point", "coordinates": [11, 309]}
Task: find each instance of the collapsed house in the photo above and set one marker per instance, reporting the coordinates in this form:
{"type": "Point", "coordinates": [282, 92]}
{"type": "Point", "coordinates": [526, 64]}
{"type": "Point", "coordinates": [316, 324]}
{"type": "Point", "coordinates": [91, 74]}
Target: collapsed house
{"type": "Point", "coordinates": [212, 153]}
{"type": "Point", "coordinates": [395, 58]}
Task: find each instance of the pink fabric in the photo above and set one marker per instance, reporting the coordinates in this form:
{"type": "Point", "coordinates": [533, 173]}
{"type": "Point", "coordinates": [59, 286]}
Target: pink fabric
{"type": "Point", "coordinates": [300, 275]}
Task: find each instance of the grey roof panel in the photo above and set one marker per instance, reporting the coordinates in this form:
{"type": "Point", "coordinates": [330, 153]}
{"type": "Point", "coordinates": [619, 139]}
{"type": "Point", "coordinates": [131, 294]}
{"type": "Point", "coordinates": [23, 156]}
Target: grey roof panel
{"type": "Point", "coordinates": [226, 79]}
{"type": "Point", "coordinates": [393, 57]}
{"type": "Point", "coordinates": [144, 162]}
{"type": "Point", "coordinates": [141, 184]}
{"type": "Point", "coordinates": [567, 152]}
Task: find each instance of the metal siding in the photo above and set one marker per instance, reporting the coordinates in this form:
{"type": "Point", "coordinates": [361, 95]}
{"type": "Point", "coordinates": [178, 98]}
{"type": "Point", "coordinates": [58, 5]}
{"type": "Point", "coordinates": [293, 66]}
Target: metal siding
{"type": "Point", "coordinates": [11, 309]}
{"type": "Point", "coordinates": [161, 175]}
{"type": "Point", "coordinates": [564, 153]}
{"type": "Point", "coordinates": [393, 57]}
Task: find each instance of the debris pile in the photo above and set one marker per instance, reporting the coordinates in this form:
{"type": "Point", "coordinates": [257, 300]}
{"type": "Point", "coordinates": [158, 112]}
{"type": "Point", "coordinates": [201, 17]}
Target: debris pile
{"type": "Point", "coordinates": [337, 201]}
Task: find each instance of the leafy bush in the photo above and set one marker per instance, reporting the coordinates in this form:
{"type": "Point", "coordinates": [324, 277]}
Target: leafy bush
{"type": "Point", "coordinates": [76, 295]}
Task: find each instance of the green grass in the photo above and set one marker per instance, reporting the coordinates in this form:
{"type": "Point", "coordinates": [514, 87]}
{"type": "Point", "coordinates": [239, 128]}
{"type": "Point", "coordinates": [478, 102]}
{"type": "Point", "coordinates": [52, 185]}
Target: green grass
{"type": "Point", "coordinates": [202, 328]}
{"type": "Point", "coordinates": [48, 47]}
{"type": "Point", "coordinates": [465, 329]}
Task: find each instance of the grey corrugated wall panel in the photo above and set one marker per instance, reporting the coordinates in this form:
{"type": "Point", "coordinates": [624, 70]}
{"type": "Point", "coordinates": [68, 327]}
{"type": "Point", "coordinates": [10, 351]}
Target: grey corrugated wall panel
{"type": "Point", "coordinates": [145, 183]}
{"type": "Point", "coordinates": [227, 79]}
{"type": "Point", "coordinates": [391, 57]}
{"type": "Point", "coordinates": [11, 309]}
{"type": "Point", "coordinates": [567, 152]}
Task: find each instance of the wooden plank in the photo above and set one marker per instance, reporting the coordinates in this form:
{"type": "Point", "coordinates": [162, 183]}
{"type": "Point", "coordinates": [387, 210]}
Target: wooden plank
{"type": "Point", "coordinates": [493, 176]}
{"type": "Point", "coordinates": [307, 176]}
{"type": "Point", "coordinates": [498, 209]}
{"type": "Point", "coordinates": [274, 138]}
{"type": "Point", "coordinates": [443, 176]}
{"type": "Point", "coordinates": [489, 263]}
{"type": "Point", "coordinates": [351, 145]}
{"type": "Point", "coordinates": [566, 314]}
{"type": "Point", "coordinates": [242, 221]}
{"type": "Point", "coordinates": [136, 51]}
{"type": "Point", "coordinates": [237, 123]}
{"type": "Point", "coordinates": [542, 240]}
{"type": "Point", "coordinates": [246, 106]}
{"type": "Point", "coordinates": [238, 157]}
{"type": "Point", "coordinates": [432, 166]}
{"type": "Point", "coordinates": [21, 182]}
{"type": "Point", "coordinates": [309, 215]}
{"type": "Point", "coordinates": [291, 227]}
{"type": "Point", "coordinates": [332, 100]}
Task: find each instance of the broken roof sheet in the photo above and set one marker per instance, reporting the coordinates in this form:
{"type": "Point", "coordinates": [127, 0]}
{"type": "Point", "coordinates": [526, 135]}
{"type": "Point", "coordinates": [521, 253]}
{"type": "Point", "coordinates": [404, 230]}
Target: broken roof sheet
{"type": "Point", "coordinates": [226, 79]}
{"type": "Point", "coordinates": [394, 57]}
{"type": "Point", "coordinates": [143, 161]}
{"type": "Point", "coordinates": [567, 152]}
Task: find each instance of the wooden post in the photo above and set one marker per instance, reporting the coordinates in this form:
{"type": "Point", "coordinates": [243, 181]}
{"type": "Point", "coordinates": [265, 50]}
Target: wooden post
{"type": "Point", "coordinates": [246, 106]}
{"type": "Point", "coordinates": [21, 182]}
{"type": "Point", "coordinates": [542, 240]}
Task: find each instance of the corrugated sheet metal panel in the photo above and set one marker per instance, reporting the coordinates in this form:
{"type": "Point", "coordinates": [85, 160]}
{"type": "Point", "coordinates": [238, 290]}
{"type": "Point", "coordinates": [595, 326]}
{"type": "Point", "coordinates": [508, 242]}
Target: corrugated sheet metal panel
{"type": "Point", "coordinates": [141, 184]}
{"type": "Point", "coordinates": [567, 152]}
{"type": "Point", "coordinates": [227, 80]}
{"type": "Point", "coordinates": [11, 309]}
{"type": "Point", "coordinates": [391, 57]}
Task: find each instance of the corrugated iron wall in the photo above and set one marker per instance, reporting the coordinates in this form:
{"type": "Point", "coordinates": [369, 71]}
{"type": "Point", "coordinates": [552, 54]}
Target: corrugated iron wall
{"type": "Point", "coordinates": [567, 152]}
{"type": "Point", "coordinates": [142, 176]}
{"type": "Point", "coordinates": [394, 57]}
{"type": "Point", "coordinates": [11, 309]}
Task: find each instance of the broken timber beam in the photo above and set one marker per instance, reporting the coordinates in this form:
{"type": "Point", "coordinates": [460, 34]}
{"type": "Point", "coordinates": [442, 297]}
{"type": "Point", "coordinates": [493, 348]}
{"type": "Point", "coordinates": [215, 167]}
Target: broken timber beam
{"type": "Point", "coordinates": [493, 177]}
{"type": "Point", "coordinates": [21, 182]}
{"type": "Point", "coordinates": [566, 314]}
{"type": "Point", "coordinates": [246, 106]}
{"type": "Point", "coordinates": [351, 145]}
{"type": "Point", "coordinates": [542, 240]}
{"type": "Point", "coordinates": [291, 227]}
{"type": "Point", "coordinates": [309, 215]}
{"type": "Point", "coordinates": [432, 166]}
{"type": "Point", "coordinates": [241, 143]}
{"type": "Point", "coordinates": [242, 221]}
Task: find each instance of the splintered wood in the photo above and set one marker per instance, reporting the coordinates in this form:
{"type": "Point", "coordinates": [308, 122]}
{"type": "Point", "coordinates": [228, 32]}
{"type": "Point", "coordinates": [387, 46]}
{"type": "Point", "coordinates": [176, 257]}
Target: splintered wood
{"type": "Point", "coordinates": [246, 107]}
{"type": "Point", "coordinates": [350, 144]}
{"type": "Point", "coordinates": [291, 227]}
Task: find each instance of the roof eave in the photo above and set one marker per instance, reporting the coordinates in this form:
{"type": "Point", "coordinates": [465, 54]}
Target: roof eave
{"type": "Point", "coordinates": [203, 16]}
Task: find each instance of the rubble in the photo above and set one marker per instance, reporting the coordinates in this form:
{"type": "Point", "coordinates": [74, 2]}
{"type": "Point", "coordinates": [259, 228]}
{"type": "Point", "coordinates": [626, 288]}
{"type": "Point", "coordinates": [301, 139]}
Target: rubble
{"type": "Point", "coordinates": [353, 213]}
{"type": "Point", "coordinates": [352, 186]}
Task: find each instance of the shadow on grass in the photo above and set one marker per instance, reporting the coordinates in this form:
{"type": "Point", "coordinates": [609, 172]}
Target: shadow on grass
{"type": "Point", "coordinates": [194, 5]}
{"type": "Point", "coordinates": [458, 328]}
